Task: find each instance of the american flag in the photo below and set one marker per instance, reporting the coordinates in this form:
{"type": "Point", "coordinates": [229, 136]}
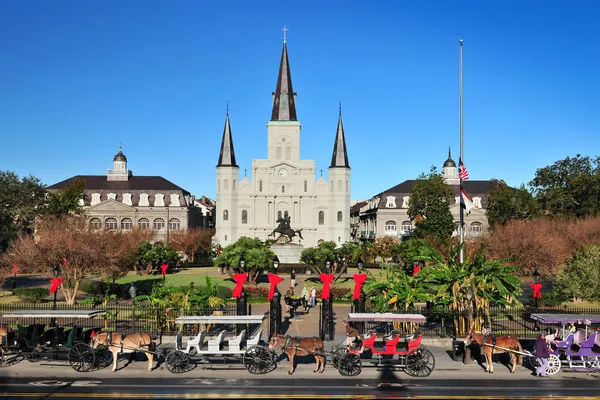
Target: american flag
{"type": "Point", "coordinates": [463, 173]}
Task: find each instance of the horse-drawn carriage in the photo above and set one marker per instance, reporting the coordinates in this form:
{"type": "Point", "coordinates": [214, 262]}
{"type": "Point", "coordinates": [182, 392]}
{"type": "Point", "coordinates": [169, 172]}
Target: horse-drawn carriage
{"type": "Point", "coordinates": [391, 350]}
{"type": "Point", "coordinates": [232, 338]}
{"type": "Point", "coordinates": [294, 303]}
{"type": "Point", "coordinates": [579, 350]}
{"type": "Point", "coordinates": [51, 337]}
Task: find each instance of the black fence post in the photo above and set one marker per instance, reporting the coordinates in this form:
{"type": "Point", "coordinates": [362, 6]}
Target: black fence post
{"type": "Point", "coordinates": [331, 326]}
{"type": "Point", "coordinates": [275, 314]}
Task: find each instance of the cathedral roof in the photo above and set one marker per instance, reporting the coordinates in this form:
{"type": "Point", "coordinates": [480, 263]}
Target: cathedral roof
{"type": "Point", "coordinates": [135, 183]}
{"type": "Point", "coordinates": [284, 106]}
{"type": "Point", "coordinates": [120, 157]}
{"type": "Point", "coordinates": [227, 154]}
{"type": "Point", "coordinates": [340, 155]}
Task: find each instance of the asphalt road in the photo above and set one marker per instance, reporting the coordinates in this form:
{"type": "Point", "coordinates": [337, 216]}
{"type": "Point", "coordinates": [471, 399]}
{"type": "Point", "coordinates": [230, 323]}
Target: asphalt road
{"type": "Point", "coordinates": [203, 388]}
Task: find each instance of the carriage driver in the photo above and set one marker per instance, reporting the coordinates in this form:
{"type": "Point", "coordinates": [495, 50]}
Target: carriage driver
{"type": "Point", "coordinates": [352, 334]}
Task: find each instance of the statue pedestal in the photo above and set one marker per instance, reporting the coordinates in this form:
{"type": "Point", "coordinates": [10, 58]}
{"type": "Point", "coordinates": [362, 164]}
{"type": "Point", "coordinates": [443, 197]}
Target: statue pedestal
{"type": "Point", "coordinates": [288, 253]}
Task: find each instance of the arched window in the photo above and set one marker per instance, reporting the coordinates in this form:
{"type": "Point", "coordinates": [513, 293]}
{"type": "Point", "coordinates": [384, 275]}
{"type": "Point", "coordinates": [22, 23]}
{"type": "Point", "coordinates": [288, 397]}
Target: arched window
{"type": "Point", "coordinates": [321, 218]}
{"type": "Point", "coordinates": [282, 189]}
{"type": "Point", "coordinates": [278, 153]}
{"type": "Point", "coordinates": [340, 187]}
{"type": "Point", "coordinates": [226, 184]}
{"type": "Point", "coordinates": [260, 186]}
{"type": "Point", "coordinates": [159, 224]}
{"type": "Point", "coordinates": [476, 228]}
{"type": "Point", "coordinates": [95, 223]}
{"type": "Point", "coordinates": [390, 228]}
{"type": "Point", "coordinates": [126, 224]}
{"type": "Point", "coordinates": [288, 152]}
{"type": "Point", "coordinates": [244, 217]}
{"type": "Point", "coordinates": [225, 215]}
{"type": "Point", "coordinates": [144, 223]}
{"type": "Point", "coordinates": [174, 224]}
{"type": "Point", "coordinates": [339, 216]}
{"type": "Point", "coordinates": [110, 223]}
{"type": "Point", "coordinates": [407, 227]}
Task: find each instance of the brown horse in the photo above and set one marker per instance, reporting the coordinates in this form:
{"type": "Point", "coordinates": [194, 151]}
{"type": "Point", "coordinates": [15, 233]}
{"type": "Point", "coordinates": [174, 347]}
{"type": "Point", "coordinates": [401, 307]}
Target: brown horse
{"type": "Point", "coordinates": [301, 346]}
{"type": "Point", "coordinates": [502, 344]}
{"type": "Point", "coordinates": [119, 343]}
{"type": "Point", "coordinates": [4, 331]}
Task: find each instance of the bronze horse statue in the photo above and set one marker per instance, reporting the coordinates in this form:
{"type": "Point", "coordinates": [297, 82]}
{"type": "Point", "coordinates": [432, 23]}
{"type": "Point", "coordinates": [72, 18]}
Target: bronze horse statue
{"type": "Point", "coordinates": [301, 346]}
{"type": "Point", "coordinates": [496, 345]}
{"type": "Point", "coordinates": [284, 229]}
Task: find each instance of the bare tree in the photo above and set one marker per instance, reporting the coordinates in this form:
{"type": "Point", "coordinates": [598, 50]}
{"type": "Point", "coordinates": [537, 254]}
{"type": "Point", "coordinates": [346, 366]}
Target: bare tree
{"type": "Point", "coordinates": [191, 242]}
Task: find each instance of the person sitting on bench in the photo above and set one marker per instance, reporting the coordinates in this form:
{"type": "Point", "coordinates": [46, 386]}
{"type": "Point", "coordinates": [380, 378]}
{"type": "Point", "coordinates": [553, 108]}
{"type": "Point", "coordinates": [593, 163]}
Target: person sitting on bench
{"type": "Point", "coordinates": [352, 334]}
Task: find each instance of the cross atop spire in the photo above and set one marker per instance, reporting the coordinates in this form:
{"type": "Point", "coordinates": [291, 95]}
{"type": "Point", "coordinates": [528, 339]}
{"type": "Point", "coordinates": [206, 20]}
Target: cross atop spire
{"type": "Point", "coordinates": [120, 147]}
{"type": "Point", "coordinates": [227, 106]}
{"type": "Point", "coordinates": [340, 155]}
{"type": "Point", "coordinates": [449, 154]}
{"type": "Point", "coordinates": [284, 33]}
{"type": "Point", "coordinates": [227, 154]}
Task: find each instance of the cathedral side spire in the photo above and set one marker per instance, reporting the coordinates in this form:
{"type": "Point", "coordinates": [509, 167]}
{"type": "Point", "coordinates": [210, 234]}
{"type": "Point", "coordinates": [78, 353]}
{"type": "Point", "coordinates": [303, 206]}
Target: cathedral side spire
{"type": "Point", "coordinates": [227, 155]}
{"type": "Point", "coordinates": [284, 98]}
{"type": "Point", "coordinates": [340, 155]}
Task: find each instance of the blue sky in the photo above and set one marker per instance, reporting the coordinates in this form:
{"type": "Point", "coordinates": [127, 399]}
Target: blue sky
{"type": "Point", "coordinates": [78, 77]}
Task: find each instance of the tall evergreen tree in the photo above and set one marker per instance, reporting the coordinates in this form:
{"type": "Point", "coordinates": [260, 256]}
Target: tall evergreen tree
{"type": "Point", "coordinates": [506, 204]}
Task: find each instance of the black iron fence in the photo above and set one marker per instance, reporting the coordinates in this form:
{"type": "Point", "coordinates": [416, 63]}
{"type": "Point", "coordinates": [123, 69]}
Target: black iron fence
{"type": "Point", "coordinates": [126, 318]}
{"type": "Point", "coordinates": [504, 321]}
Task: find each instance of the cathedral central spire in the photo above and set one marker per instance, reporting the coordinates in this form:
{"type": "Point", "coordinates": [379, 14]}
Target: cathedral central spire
{"type": "Point", "coordinates": [227, 155]}
{"type": "Point", "coordinates": [284, 98]}
{"type": "Point", "coordinates": [340, 155]}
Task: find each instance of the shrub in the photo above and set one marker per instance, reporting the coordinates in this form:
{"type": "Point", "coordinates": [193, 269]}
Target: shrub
{"type": "Point", "coordinates": [93, 287]}
{"type": "Point", "coordinates": [581, 279]}
{"type": "Point", "coordinates": [338, 293]}
{"type": "Point", "coordinates": [256, 292]}
{"type": "Point", "coordinates": [32, 295]}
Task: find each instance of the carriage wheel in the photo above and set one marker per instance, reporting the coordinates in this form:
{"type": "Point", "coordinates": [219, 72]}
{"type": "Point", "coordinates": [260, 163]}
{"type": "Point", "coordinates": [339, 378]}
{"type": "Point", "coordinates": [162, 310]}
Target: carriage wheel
{"type": "Point", "coordinates": [350, 365]}
{"type": "Point", "coordinates": [592, 362]}
{"type": "Point", "coordinates": [553, 365]}
{"type": "Point", "coordinates": [34, 356]}
{"type": "Point", "coordinates": [419, 362]}
{"type": "Point", "coordinates": [337, 355]}
{"type": "Point", "coordinates": [177, 362]}
{"type": "Point", "coordinates": [104, 357]}
{"type": "Point", "coordinates": [82, 357]}
{"type": "Point", "coordinates": [7, 359]}
{"type": "Point", "coordinates": [259, 360]}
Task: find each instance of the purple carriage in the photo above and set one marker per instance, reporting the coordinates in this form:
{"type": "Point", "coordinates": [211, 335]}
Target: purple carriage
{"type": "Point", "coordinates": [579, 350]}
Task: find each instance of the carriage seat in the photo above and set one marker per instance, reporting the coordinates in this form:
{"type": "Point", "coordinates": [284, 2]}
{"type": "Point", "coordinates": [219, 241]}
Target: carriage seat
{"type": "Point", "coordinates": [562, 344]}
{"type": "Point", "coordinates": [578, 339]}
{"type": "Point", "coordinates": [196, 342]}
{"type": "Point", "coordinates": [236, 342]}
{"type": "Point", "coordinates": [214, 344]}
{"type": "Point", "coordinates": [254, 340]}
{"type": "Point", "coordinates": [596, 346]}
{"type": "Point", "coordinates": [34, 334]}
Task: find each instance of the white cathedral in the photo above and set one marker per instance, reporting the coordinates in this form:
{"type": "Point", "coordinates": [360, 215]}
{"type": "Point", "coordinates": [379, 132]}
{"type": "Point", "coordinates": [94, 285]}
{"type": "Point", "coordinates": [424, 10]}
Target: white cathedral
{"type": "Point", "coordinates": [283, 185]}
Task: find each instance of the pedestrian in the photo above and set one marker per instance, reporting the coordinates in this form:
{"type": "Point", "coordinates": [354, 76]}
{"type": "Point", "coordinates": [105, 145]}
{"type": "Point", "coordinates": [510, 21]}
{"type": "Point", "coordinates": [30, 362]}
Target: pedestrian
{"type": "Point", "coordinates": [542, 353]}
{"type": "Point", "coordinates": [312, 297]}
{"type": "Point", "coordinates": [304, 295]}
{"type": "Point", "coordinates": [293, 277]}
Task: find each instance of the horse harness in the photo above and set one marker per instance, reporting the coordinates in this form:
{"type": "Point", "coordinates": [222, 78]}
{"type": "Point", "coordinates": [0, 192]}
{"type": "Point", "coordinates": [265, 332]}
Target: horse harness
{"type": "Point", "coordinates": [108, 341]}
{"type": "Point", "coordinates": [485, 336]}
{"type": "Point", "coordinates": [289, 344]}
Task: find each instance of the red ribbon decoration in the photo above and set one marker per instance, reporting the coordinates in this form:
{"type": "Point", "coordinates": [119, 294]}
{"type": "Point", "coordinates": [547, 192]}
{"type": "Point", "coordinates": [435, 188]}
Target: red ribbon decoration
{"type": "Point", "coordinates": [273, 280]}
{"type": "Point", "coordinates": [359, 279]}
{"type": "Point", "coordinates": [416, 269]}
{"type": "Point", "coordinates": [164, 268]}
{"type": "Point", "coordinates": [537, 290]}
{"type": "Point", "coordinates": [239, 284]}
{"type": "Point", "coordinates": [54, 284]}
{"type": "Point", "coordinates": [15, 269]}
{"type": "Point", "coordinates": [326, 279]}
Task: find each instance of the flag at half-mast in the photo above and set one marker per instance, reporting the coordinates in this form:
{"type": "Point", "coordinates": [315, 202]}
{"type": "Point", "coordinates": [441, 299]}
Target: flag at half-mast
{"type": "Point", "coordinates": [462, 171]}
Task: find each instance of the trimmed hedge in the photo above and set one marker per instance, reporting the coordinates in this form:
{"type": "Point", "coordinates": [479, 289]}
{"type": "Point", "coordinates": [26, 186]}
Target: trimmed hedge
{"type": "Point", "coordinates": [32, 295]}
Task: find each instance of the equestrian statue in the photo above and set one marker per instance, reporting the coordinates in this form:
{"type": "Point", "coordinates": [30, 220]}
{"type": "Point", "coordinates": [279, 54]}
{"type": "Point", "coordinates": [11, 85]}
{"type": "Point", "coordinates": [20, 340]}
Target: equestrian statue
{"type": "Point", "coordinates": [284, 229]}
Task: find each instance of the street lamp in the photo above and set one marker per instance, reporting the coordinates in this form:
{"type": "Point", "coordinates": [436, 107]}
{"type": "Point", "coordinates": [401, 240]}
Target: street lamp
{"type": "Point", "coordinates": [132, 291]}
{"type": "Point", "coordinates": [275, 263]}
{"type": "Point", "coordinates": [360, 264]}
{"type": "Point", "coordinates": [242, 262]}
{"type": "Point", "coordinates": [56, 271]}
{"type": "Point", "coordinates": [469, 309]}
{"type": "Point", "coordinates": [327, 265]}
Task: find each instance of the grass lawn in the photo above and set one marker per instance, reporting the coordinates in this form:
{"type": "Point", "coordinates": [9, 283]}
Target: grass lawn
{"type": "Point", "coordinates": [182, 278]}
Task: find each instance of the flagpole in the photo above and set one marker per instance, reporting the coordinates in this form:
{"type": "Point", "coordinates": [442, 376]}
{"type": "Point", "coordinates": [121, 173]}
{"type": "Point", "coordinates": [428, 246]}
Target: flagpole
{"type": "Point", "coordinates": [461, 159]}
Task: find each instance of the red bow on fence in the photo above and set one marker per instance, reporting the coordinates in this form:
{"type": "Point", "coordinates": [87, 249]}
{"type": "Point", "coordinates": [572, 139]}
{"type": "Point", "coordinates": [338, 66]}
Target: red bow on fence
{"type": "Point", "coordinates": [537, 290]}
{"type": "Point", "coordinates": [416, 269]}
{"type": "Point", "coordinates": [359, 279]}
{"type": "Point", "coordinates": [239, 284]}
{"type": "Point", "coordinates": [326, 279]}
{"type": "Point", "coordinates": [15, 269]}
{"type": "Point", "coordinates": [54, 284]}
{"type": "Point", "coordinates": [273, 280]}
{"type": "Point", "coordinates": [164, 268]}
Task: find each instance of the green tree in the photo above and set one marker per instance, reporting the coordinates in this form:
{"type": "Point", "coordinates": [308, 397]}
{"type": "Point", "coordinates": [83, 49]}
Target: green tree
{"type": "Point", "coordinates": [506, 204]}
{"type": "Point", "coordinates": [257, 255]}
{"type": "Point", "coordinates": [429, 207]}
{"type": "Point", "coordinates": [65, 201]}
{"type": "Point", "coordinates": [315, 257]}
{"type": "Point", "coordinates": [21, 200]}
{"type": "Point", "coordinates": [569, 187]}
{"type": "Point", "coordinates": [580, 280]}
{"type": "Point", "coordinates": [151, 256]}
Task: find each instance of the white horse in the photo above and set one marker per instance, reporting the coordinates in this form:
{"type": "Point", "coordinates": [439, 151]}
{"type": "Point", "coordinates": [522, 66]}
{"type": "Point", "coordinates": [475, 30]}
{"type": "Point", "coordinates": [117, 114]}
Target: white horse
{"type": "Point", "coordinates": [119, 343]}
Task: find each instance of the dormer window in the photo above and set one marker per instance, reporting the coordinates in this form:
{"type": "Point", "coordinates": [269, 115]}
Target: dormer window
{"type": "Point", "coordinates": [477, 202]}
{"type": "Point", "coordinates": [391, 202]}
{"type": "Point", "coordinates": [144, 200]}
{"type": "Point", "coordinates": [96, 198]}
{"type": "Point", "coordinates": [159, 200]}
{"type": "Point", "coordinates": [112, 196]}
{"type": "Point", "coordinates": [405, 201]}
